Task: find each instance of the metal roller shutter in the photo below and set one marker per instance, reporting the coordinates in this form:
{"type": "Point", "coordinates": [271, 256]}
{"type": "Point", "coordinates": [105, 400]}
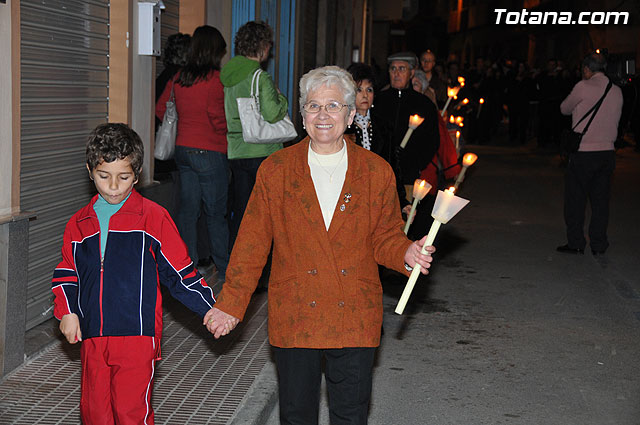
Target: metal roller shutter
{"type": "Point", "coordinates": [64, 95]}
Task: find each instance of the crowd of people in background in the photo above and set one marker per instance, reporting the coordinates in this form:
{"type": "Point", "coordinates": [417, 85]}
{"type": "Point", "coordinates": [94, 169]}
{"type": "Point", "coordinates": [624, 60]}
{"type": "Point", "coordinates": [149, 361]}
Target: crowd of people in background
{"type": "Point", "coordinates": [322, 214]}
{"type": "Point", "coordinates": [503, 99]}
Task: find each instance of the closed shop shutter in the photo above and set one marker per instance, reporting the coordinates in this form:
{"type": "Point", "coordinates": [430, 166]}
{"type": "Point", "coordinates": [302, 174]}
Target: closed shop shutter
{"type": "Point", "coordinates": [64, 95]}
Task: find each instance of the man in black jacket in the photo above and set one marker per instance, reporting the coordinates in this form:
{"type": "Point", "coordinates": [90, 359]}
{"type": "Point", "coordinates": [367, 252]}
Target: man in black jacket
{"type": "Point", "coordinates": [397, 104]}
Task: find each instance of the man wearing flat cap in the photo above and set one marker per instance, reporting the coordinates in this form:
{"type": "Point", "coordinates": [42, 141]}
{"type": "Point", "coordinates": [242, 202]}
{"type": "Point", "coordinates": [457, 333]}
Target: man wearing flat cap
{"type": "Point", "coordinates": [397, 104]}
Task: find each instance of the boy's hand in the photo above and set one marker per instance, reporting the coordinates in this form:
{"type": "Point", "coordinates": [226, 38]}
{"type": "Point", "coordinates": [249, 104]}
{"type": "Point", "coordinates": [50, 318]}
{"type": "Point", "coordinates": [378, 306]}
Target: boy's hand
{"type": "Point", "coordinates": [219, 323]}
{"type": "Point", "coordinates": [70, 328]}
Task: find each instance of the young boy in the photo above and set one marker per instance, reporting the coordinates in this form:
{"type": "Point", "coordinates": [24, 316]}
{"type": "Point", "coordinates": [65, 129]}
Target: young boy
{"type": "Point", "coordinates": [116, 251]}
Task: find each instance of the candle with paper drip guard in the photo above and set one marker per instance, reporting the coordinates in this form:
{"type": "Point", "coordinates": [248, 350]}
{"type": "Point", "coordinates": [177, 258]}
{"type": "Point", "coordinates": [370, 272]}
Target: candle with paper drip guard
{"type": "Point", "coordinates": [481, 101]}
{"type": "Point", "coordinates": [451, 92]}
{"type": "Point", "coordinates": [467, 160]}
{"type": "Point", "coordinates": [420, 190]}
{"type": "Point", "coordinates": [414, 122]}
{"type": "Point", "coordinates": [446, 207]}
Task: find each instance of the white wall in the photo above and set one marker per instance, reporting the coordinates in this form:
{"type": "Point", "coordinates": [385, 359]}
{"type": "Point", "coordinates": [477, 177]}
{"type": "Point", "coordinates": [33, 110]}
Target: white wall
{"type": "Point", "coordinates": [142, 100]}
{"type": "Point", "coordinates": [6, 118]}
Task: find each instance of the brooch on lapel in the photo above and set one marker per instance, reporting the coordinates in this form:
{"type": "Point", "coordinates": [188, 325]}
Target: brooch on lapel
{"type": "Point", "coordinates": [346, 200]}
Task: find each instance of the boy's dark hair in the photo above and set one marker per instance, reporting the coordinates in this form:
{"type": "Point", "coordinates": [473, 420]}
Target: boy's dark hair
{"type": "Point", "coordinates": [111, 141]}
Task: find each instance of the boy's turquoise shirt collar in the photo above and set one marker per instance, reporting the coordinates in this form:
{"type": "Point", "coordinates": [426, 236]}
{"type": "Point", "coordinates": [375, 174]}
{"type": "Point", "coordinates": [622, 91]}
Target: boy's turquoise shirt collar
{"type": "Point", "coordinates": [132, 205]}
{"type": "Point", "coordinates": [101, 202]}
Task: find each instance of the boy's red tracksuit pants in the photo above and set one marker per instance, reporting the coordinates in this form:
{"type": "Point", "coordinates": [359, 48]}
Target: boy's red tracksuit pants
{"type": "Point", "coordinates": [117, 380]}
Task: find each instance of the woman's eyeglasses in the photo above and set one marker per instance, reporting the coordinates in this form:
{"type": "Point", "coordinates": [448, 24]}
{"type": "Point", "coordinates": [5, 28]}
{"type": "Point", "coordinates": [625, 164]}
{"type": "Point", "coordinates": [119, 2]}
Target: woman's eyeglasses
{"type": "Point", "coordinates": [331, 107]}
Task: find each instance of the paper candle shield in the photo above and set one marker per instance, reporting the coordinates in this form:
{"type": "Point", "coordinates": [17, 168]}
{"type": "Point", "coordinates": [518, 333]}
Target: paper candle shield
{"type": "Point", "coordinates": [447, 206]}
{"type": "Point", "coordinates": [420, 189]}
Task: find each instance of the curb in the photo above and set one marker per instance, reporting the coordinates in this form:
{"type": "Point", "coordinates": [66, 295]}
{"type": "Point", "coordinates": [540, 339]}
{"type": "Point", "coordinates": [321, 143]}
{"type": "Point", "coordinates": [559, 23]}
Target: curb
{"type": "Point", "coordinates": [260, 400]}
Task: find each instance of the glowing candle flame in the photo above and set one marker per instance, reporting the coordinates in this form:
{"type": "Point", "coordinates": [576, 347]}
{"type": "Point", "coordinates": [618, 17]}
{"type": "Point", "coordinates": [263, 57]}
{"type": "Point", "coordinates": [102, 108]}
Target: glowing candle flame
{"type": "Point", "coordinates": [468, 159]}
{"type": "Point", "coordinates": [461, 81]}
{"type": "Point", "coordinates": [451, 190]}
{"type": "Point", "coordinates": [465, 101]}
{"type": "Point", "coordinates": [481, 101]}
{"type": "Point", "coordinates": [457, 134]}
{"type": "Point", "coordinates": [452, 91]}
{"type": "Point", "coordinates": [452, 119]}
{"type": "Point", "coordinates": [459, 120]}
{"type": "Point", "coordinates": [415, 121]}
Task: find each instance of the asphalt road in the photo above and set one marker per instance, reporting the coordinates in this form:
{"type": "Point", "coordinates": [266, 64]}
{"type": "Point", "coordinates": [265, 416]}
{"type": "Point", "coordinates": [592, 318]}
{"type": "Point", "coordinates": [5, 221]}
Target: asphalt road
{"type": "Point", "coordinates": [505, 330]}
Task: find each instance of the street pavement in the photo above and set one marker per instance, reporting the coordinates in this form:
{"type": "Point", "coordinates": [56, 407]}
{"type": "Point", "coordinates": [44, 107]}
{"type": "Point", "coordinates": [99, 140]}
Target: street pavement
{"type": "Point", "coordinates": [504, 330]}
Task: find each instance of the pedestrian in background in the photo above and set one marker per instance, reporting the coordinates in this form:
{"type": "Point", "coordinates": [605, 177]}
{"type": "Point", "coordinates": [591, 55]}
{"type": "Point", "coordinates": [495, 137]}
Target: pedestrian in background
{"type": "Point", "coordinates": [253, 43]}
{"type": "Point", "coordinates": [330, 210]}
{"type": "Point", "coordinates": [589, 170]}
{"type": "Point", "coordinates": [201, 145]}
{"type": "Point", "coordinates": [116, 252]}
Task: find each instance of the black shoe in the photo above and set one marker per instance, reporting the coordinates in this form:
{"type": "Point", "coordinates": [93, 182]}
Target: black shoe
{"type": "Point", "coordinates": [597, 252]}
{"type": "Point", "coordinates": [568, 250]}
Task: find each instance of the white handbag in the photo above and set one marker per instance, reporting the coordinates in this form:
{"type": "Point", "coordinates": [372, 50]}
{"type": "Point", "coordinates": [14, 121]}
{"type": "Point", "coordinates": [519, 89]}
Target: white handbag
{"type": "Point", "coordinates": [254, 127]}
{"type": "Point", "coordinates": [166, 135]}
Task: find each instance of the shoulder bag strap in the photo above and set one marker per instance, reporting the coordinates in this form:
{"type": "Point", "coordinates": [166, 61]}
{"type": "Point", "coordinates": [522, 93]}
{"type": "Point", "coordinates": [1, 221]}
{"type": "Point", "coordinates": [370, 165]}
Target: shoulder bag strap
{"type": "Point", "coordinates": [172, 97]}
{"type": "Point", "coordinates": [255, 81]}
{"type": "Point", "coordinates": [594, 109]}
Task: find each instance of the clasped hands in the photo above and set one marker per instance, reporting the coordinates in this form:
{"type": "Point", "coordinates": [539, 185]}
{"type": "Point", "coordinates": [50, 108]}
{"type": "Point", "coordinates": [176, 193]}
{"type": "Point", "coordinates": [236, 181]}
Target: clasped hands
{"type": "Point", "coordinates": [219, 323]}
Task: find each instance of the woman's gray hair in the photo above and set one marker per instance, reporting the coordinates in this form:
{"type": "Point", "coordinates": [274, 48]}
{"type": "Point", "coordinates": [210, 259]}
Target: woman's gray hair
{"type": "Point", "coordinates": [422, 77]}
{"type": "Point", "coordinates": [328, 76]}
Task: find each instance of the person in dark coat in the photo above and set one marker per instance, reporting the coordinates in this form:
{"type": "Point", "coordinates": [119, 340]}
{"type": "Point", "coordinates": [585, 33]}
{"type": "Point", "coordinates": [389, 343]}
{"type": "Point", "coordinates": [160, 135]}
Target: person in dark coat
{"type": "Point", "coordinates": [396, 104]}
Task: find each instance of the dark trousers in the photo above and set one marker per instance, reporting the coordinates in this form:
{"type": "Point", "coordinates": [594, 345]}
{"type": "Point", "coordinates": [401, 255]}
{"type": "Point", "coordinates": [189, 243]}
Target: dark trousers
{"type": "Point", "coordinates": [588, 177]}
{"type": "Point", "coordinates": [243, 178]}
{"type": "Point", "coordinates": [348, 373]}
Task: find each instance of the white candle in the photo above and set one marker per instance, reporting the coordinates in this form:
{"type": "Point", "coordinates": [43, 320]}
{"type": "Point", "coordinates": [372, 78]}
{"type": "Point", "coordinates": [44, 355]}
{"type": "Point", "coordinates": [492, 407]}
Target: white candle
{"type": "Point", "coordinates": [481, 101]}
{"type": "Point", "coordinates": [435, 226]}
{"type": "Point", "coordinates": [467, 160]}
{"type": "Point", "coordinates": [451, 92]}
{"type": "Point", "coordinates": [414, 122]}
{"type": "Point", "coordinates": [420, 190]}
{"type": "Point", "coordinates": [448, 206]}
{"type": "Point", "coordinates": [457, 141]}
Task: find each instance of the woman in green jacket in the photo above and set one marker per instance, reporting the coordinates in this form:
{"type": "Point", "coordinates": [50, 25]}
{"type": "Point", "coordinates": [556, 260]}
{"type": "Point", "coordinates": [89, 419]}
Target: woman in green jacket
{"type": "Point", "coordinates": [253, 43]}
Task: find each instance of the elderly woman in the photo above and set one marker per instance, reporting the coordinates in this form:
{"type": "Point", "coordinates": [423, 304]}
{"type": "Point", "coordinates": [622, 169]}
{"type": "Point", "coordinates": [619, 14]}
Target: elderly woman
{"type": "Point", "coordinates": [330, 209]}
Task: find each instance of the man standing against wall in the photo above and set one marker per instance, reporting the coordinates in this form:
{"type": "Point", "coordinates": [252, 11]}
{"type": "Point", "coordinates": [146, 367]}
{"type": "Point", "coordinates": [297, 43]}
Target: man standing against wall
{"type": "Point", "coordinates": [590, 169]}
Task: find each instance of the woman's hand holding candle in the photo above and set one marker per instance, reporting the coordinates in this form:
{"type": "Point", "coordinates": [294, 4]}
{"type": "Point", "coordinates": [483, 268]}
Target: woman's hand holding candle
{"type": "Point", "coordinates": [415, 257]}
